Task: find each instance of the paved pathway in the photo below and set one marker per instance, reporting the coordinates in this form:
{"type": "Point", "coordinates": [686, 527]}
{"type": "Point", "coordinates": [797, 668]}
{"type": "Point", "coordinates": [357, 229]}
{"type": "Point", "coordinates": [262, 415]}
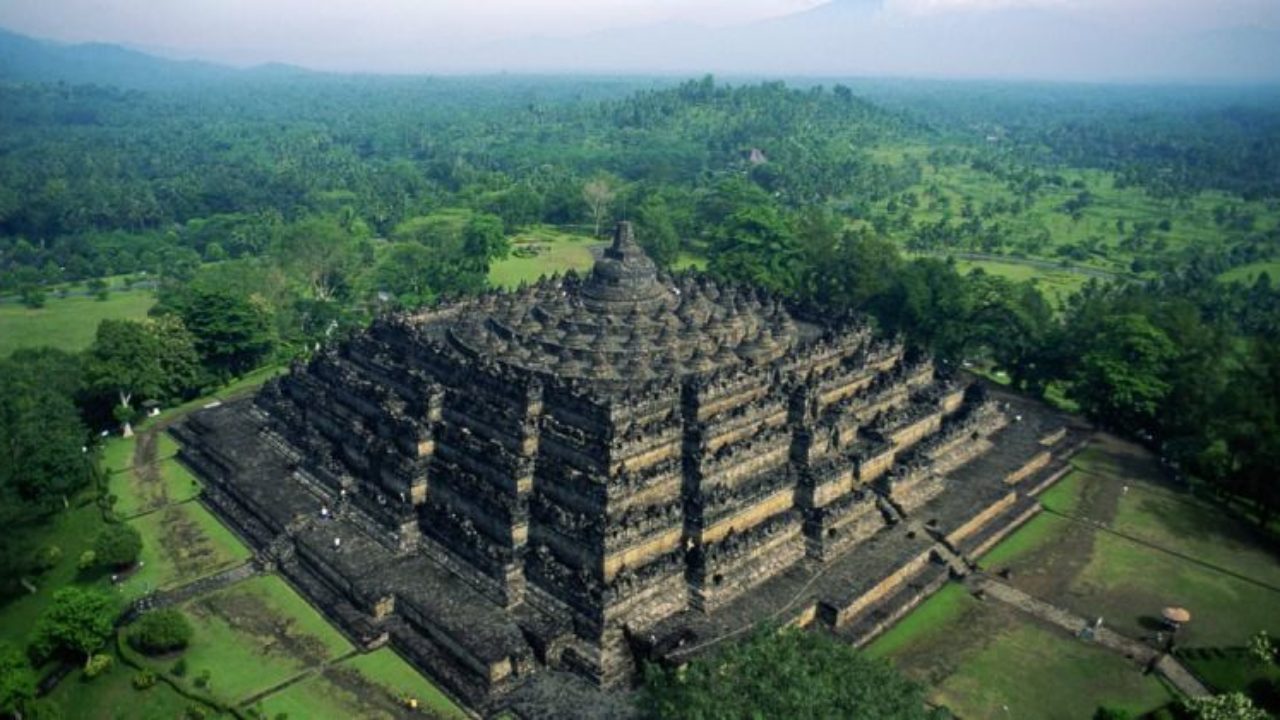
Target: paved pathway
{"type": "Point", "coordinates": [1105, 637]}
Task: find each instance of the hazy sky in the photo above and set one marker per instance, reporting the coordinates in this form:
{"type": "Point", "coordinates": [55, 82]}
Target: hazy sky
{"type": "Point", "coordinates": [414, 35]}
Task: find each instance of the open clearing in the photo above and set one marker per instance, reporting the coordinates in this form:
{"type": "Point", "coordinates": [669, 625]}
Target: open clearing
{"type": "Point", "coordinates": [1115, 541]}
{"type": "Point", "coordinates": [547, 251]}
{"type": "Point", "coordinates": [67, 323]}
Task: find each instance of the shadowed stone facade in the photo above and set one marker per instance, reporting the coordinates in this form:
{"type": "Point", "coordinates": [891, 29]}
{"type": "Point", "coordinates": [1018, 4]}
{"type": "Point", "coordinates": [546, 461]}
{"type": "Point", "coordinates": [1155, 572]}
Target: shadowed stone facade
{"type": "Point", "coordinates": [590, 471]}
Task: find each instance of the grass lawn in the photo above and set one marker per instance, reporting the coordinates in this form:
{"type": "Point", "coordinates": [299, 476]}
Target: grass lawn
{"type": "Point", "coordinates": [181, 543]}
{"type": "Point", "coordinates": [1248, 273]}
{"type": "Point", "coordinates": [140, 490]}
{"type": "Point", "coordinates": [1028, 671]}
{"type": "Point", "coordinates": [979, 658]}
{"type": "Point", "coordinates": [1056, 285]}
{"type": "Point", "coordinates": [1115, 541]}
{"type": "Point", "coordinates": [556, 252]}
{"type": "Point", "coordinates": [932, 616]}
{"type": "Point", "coordinates": [117, 453]}
{"type": "Point", "coordinates": [1230, 669]}
{"type": "Point", "coordinates": [111, 696]}
{"type": "Point", "coordinates": [67, 323]}
{"type": "Point", "coordinates": [376, 685]}
{"type": "Point", "coordinates": [255, 635]}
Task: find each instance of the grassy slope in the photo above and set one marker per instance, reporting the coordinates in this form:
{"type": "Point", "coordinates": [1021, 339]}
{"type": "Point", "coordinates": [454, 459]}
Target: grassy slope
{"type": "Point", "coordinates": [67, 324]}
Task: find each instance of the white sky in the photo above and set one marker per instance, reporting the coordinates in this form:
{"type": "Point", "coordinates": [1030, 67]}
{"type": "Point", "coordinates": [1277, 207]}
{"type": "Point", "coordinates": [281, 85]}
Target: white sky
{"type": "Point", "coordinates": [397, 34]}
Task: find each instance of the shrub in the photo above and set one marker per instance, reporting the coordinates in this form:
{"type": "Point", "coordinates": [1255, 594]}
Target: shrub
{"type": "Point", "coordinates": [88, 559]}
{"type": "Point", "coordinates": [144, 680]}
{"type": "Point", "coordinates": [160, 632]}
{"type": "Point", "coordinates": [202, 680]}
{"type": "Point", "coordinates": [97, 665]}
{"type": "Point", "coordinates": [46, 558]}
{"type": "Point", "coordinates": [179, 668]}
{"type": "Point", "coordinates": [118, 545]}
{"type": "Point", "coordinates": [195, 712]}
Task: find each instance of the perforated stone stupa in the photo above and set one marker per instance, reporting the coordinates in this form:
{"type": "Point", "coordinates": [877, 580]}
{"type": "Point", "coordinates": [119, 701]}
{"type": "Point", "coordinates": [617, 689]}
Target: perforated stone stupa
{"type": "Point", "coordinates": [590, 472]}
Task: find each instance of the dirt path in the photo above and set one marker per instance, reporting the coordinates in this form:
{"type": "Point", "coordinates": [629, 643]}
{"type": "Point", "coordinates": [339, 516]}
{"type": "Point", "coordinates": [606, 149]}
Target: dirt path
{"type": "Point", "coordinates": [146, 469]}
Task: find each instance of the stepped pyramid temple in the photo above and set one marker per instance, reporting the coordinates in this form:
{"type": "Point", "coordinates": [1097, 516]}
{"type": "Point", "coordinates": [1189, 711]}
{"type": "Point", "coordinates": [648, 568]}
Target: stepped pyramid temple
{"type": "Point", "coordinates": [537, 490]}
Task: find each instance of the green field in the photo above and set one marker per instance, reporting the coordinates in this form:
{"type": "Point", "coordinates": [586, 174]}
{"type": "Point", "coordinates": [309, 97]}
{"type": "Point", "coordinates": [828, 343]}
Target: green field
{"type": "Point", "coordinates": [1057, 285]}
{"type": "Point", "coordinates": [1117, 542]}
{"type": "Point", "coordinates": [67, 323]}
{"type": "Point", "coordinates": [181, 542]}
{"type": "Point", "coordinates": [1249, 273]}
{"type": "Point", "coordinates": [377, 685]}
{"type": "Point", "coordinates": [556, 251]}
{"type": "Point", "coordinates": [255, 635]}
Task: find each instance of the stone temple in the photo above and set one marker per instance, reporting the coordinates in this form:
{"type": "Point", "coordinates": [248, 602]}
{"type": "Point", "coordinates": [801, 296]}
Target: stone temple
{"type": "Point", "coordinates": [529, 490]}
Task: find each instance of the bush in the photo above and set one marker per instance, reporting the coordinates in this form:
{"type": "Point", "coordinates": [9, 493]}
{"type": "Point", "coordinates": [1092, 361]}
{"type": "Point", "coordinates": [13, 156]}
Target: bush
{"type": "Point", "coordinates": [46, 558]}
{"type": "Point", "coordinates": [97, 665]}
{"type": "Point", "coordinates": [195, 712]}
{"type": "Point", "coordinates": [160, 632]}
{"type": "Point", "coordinates": [88, 559]}
{"type": "Point", "coordinates": [118, 545]}
{"type": "Point", "coordinates": [143, 680]}
{"type": "Point", "coordinates": [202, 680]}
{"type": "Point", "coordinates": [179, 668]}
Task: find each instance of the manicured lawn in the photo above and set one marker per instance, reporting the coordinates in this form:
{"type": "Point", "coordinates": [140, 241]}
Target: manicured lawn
{"type": "Point", "coordinates": [1115, 541]}
{"type": "Point", "coordinates": [254, 635]}
{"type": "Point", "coordinates": [181, 543]}
{"type": "Point", "coordinates": [112, 697]}
{"type": "Point", "coordinates": [117, 453]}
{"type": "Point", "coordinates": [932, 616]}
{"type": "Point", "coordinates": [980, 657]}
{"type": "Point", "coordinates": [141, 490]}
{"type": "Point", "coordinates": [366, 686]}
{"type": "Point", "coordinates": [67, 323]}
{"type": "Point", "coordinates": [557, 252]}
{"type": "Point", "coordinates": [1028, 671]}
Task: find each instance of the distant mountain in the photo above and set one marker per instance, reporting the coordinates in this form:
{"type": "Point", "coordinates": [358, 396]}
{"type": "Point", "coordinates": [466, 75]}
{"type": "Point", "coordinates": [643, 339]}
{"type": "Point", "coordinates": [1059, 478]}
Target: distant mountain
{"type": "Point", "coordinates": [26, 59]}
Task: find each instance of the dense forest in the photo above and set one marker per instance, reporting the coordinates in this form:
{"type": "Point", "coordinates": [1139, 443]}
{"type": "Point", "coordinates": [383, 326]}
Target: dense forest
{"type": "Point", "coordinates": [270, 216]}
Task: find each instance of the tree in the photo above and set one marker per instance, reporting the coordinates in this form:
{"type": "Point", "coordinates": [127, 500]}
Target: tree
{"type": "Point", "coordinates": [124, 361]}
{"type": "Point", "coordinates": [598, 194]}
{"type": "Point", "coordinates": [483, 239]}
{"type": "Point", "coordinates": [320, 253]}
{"type": "Point", "coordinates": [233, 333]}
{"type": "Point", "coordinates": [1121, 378]}
{"type": "Point", "coordinates": [42, 439]}
{"type": "Point", "coordinates": [160, 631]}
{"type": "Point", "coordinates": [1229, 706]}
{"type": "Point", "coordinates": [756, 245]}
{"type": "Point", "coordinates": [17, 680]}
{"type": "Point", "coordinates": [118, 545]}
{"type": "Point", "coordinates": [79, 620]}
{"type": "Point", "coordinates": [655, 231]}
{"type": "Point", "coordinates": [783, 674]}
{"type": "Point", "coordinates": [33, 296]}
